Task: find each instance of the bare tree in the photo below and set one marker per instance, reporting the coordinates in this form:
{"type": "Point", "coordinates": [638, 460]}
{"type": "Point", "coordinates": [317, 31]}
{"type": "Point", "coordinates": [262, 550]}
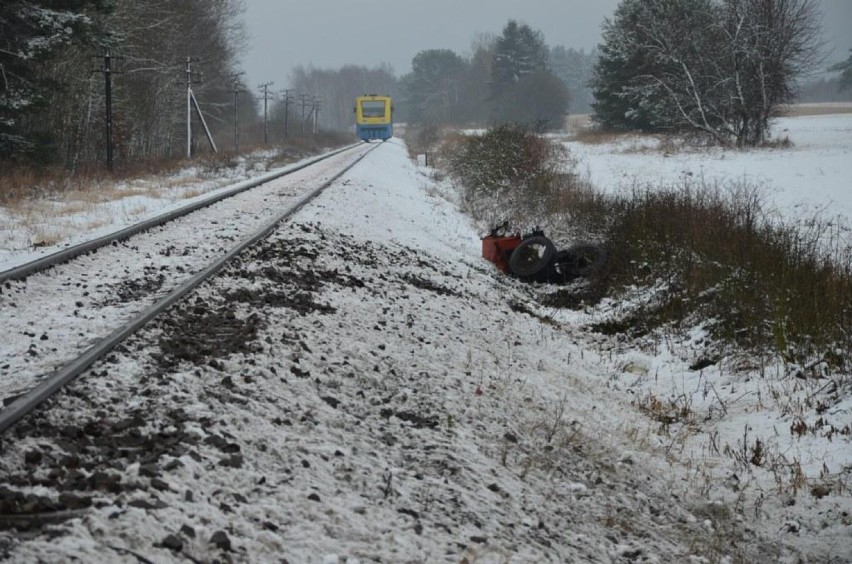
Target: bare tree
{"type": "Point", "coordinates": [769, 44]}
{"type": "Point", "coordinates": [723, 67]}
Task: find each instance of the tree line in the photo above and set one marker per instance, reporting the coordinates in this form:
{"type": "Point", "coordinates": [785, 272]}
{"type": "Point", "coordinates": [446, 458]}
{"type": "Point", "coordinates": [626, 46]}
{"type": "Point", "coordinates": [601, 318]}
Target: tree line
{"type": "Point", "coordinates": [720, 67]}
{"type": "Point", "coordinates": [52, 83]}
{"type": "Point", "coordinates": [513, 77]}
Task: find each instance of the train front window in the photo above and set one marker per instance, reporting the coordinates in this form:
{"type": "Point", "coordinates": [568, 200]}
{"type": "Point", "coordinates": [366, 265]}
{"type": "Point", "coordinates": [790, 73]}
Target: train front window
{"type": "Point", "coordinates": [373, 108]}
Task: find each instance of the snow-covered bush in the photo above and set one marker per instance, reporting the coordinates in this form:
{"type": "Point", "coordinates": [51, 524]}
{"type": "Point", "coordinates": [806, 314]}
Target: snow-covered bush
{"type": "Point", "coordinates": [505, 157]}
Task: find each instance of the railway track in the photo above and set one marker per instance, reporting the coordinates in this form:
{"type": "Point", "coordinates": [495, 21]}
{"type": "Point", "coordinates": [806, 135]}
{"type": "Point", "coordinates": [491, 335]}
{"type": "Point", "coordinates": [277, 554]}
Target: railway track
{"type": "Point", "coordinates": [111, 287]}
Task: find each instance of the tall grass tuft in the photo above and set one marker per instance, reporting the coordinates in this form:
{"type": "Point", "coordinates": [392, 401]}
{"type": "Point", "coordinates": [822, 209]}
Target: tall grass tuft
{"type": "Point", "coordinates": [761, 282]}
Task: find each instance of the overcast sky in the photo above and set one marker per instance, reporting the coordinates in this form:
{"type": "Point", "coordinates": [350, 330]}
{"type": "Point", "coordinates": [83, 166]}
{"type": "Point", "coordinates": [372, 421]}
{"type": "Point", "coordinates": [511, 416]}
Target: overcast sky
{"type": "Point", "coordinates": [331, 33]}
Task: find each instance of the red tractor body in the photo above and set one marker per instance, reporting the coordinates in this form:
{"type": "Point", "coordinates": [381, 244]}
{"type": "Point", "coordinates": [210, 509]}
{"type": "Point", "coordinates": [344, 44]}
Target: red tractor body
{"type": "Point", "coordinates": [498, 248]}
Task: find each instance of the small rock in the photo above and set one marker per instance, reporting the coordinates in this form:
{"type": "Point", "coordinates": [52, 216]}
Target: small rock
{"type": "Point", "coordinates": [32, 456]}
{"type": "Point", "coordinates": [314, 497]}
{"type": "Point", "coordinates": [332, 401]}
{"type": "Point", "coordinates": [173, 543]}
{"type": "Point", "coordinates": [150, 470]}
{"type": "Point", "coordinates": [105, 482]}
{"type": "Point", "coordinates": [159, 484]}
{"type": "Point", "coordinates": [233, 461]}
{"type": "Point", "coordinates": [188, 531]}
{"type": "Point", "coordinates": [72, 501]}
{"type": "Point", "coordinates": [144, 504]}
{"type": "Point", "coordinates": [221, 540]}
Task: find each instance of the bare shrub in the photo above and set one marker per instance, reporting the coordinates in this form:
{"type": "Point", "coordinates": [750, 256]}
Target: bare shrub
{"type": "Point", "coordinates": [512, 173]}
{"type": "Point", "coordinates": [713, 254]}
{"type": "Point", "coordinates": [766, 284]}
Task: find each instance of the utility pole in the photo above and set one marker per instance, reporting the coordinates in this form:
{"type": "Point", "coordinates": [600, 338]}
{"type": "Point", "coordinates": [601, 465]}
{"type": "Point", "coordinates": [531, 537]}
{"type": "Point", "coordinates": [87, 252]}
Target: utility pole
{"type": "Point", "coordinates": [108, 85]}
{"type": "Point", "coordinates": [190, 102]}
{"type": "Point", "coordinates": [316, 108]}
{"type": "Point", "coordinates": [189, 107]}
{"type": "Point", "coordinates": [304, 98]}
{"type": "Point", "coordinates": [265, 86]}
{"type": "Point", "coordinates": [287, 112]}
{"type": "Point", "coordinates": [237, 90]}
{"type": "Point", "coordinates": [108, 72]}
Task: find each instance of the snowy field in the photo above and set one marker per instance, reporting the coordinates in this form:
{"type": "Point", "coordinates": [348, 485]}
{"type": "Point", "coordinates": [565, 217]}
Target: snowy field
{"type": "Point", "coordinates": [421, 407]}
{"type": "Point", "coordinates": [812, 177]}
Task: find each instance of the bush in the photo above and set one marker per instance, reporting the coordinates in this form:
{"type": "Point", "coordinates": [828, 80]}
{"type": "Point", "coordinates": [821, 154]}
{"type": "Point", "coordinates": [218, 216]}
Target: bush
{"type": "Point", "coordinates": [723, 260]}
{"type": "Point", "coordinates": [714, 256]}
{"type": "Point", "coordinates": [510, 173]}
{"type": "Point", "coordinates": [503, 157]}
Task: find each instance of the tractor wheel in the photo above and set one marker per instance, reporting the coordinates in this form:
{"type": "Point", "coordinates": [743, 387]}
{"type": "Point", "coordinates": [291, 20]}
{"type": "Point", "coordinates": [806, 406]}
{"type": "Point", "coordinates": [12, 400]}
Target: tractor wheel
{"type": "Point", "coordinates": [581, 260]}
{"type": "Point", "coordinates": [532, 256]}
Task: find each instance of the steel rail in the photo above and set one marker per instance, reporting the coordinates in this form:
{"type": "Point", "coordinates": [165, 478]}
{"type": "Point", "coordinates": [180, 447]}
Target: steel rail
{"type": "Point", "coordinates": [27, 402]}
{"type": "Point", "coordinates": [58, 257]}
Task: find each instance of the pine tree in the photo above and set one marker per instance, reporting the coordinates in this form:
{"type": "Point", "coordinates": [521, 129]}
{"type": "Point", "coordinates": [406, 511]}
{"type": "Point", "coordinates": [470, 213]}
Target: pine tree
{"type": "Point", "coordinates": [432, 88]}
{"type": "Point", "coordinates": [31, 31]}
{"type": "Point", "coordinates": [519, 51]}
{"type": "Point", "coordinates": [845, 69]}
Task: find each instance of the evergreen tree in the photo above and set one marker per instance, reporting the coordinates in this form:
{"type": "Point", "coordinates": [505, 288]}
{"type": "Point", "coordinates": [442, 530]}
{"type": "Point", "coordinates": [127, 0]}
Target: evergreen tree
{"type": "Point", "coordinates": [432, 89]}
{"type": "Point", "coordinates": [31, 32]}
{"type": "Point", "coordinates": [845, 69]}
{"type": "Point", "coordinates": [519, 51]}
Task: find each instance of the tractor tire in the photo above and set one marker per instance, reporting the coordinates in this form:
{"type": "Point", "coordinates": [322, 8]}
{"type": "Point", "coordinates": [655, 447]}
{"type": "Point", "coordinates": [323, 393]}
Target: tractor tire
{"type": "Point", "coordinates": [532, 256]}
{"type": "Point", "coordinates": [581, 260]}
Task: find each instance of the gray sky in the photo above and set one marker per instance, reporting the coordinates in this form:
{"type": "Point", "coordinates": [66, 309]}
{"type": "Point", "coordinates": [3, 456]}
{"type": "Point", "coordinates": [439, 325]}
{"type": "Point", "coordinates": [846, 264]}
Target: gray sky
{"type": "Point", "coordinates": [331, 33]}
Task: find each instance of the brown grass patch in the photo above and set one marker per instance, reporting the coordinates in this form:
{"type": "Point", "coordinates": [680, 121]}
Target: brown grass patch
{"type": "Point", "coordinates": [598, 136]}
{"type": "Point", "coordinates": [817, 109]}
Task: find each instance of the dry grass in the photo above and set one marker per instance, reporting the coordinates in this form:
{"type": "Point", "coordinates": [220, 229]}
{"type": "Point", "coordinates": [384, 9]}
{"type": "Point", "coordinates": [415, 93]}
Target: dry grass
{"type": "Point", "coordinates": [18, 184]}
{"type": "Point", "coordinates": [44, 206]}
{"type": "Point", "coordinates": [713, 252]}
{"type": "Point", "coordinates": [817, 109]}
{"type": "Point", "coordinates": [598, 136]}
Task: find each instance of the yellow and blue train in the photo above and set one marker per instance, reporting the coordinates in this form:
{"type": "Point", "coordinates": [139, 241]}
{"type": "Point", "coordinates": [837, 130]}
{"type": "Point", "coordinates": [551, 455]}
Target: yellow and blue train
{"type": "Point", "coordinates": [374, 117]}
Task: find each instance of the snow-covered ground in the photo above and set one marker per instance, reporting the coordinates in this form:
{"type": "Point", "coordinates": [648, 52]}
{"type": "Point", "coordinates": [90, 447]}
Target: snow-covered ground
{"type": "Point", "coordinates": [814, 176]}
{"type": "Point", "coordinates": [396, 399]}
{"type": "Point", "coordinates": [35, 227]}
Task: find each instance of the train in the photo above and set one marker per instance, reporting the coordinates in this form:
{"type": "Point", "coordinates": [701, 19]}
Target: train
{"type": "Point", "coordinates": [374, 117]}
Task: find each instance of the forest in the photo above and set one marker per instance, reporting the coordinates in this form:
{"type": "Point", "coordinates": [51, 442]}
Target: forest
{"type": "Point", "coordinates": [79, 73]}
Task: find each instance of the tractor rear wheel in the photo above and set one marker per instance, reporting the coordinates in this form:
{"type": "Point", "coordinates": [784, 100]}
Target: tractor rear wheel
{"type": "Point", "coordinates": [532, 256]}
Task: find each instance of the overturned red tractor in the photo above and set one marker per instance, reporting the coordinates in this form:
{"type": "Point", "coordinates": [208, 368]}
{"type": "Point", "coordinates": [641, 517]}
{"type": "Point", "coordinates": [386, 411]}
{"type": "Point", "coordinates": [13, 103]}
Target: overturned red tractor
{"type": "Point", "coordinates": [534, 258]}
